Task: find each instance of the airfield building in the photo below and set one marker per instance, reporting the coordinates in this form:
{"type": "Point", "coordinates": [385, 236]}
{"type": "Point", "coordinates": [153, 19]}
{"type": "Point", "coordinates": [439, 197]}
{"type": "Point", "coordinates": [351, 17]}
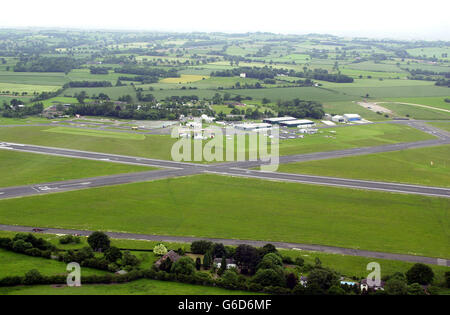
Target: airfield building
{"type": "Point", "coordinates": [301, 123]}
{"type": "Point", "coordinates": [352, 117]}
{"type": "Point", "coordinates": [338, 119]}
{"type": "Point", "coordinates": [253, 127]}
{"type": "Point", "coordinates": [278, 120]}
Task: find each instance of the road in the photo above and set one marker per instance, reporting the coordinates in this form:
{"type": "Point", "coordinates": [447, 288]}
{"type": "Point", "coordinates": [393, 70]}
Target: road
{"type": "Point", "coordinates": [234, 242]}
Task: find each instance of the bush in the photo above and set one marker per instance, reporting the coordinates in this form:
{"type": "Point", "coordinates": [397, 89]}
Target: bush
{"type": "Point", "coordinates": [288, 260]}
{"type": "Point", "coordinates": [336, 290]}
{"type": "Point", "coordinates": [6, 243]}
{"type": "Point", "coordinates": [69, 239]}
{"type": "Point", "coordinates": [113, 254]}
{"type": "Point", "coordinates": [415, 289]}
{"type": "Point", "coordinates": [299, 261]}
{"type": "Point", "coordinates": [269, 261]}
{"type": "Point", "coordinates": [33, 252]}
{"type": "Point", "coordinates": [277, 290]}
{"type": "Point", "coordinates": [229, 280]}
{"type": "Point", "coordinates": [201, 247]}
{"type": "Point", "coordinates": [269, 277]}
{"type": "Point", "coordinates": [21, 246]}
{"type": "Point", "coordinates": [396, 286]}
{"type": "Point", "coordinates": [33, 277]}
{"type": "Point", "coordinates": [203, 278]}
{"type": "Point", "coordinates": [184, 266]}
{"type": "Point", "coordinates": [323, 278]}
{"type": "Point", "coordinates": [420, 273]}
{"type": "Point", "coordinates": [447, 279]}
{"type": "Point", "coordinates": [99, 241]}
{"type": "Point", "coordinates": [160, 250]}
{"type": "Point", "coordinates": [11, 281]}
{"type": "Point", "coordinates": [129, 260]}
{"type": "Point", "coordinates": [255, 287]}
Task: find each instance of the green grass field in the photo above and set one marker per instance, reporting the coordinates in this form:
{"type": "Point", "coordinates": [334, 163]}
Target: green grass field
{"type": "Point", "coordinates": [97, 133]}
{"type": "Point", "coordinates": [442, 125]}
{"type": "Point", "coordinates": [416, 112]}
{"type": "Point", "coordinates": [153, 146]}
{"type": "Point", "coordinates": [352, 137]}
{"type": "Point", "coordinates": [438, 102]}
{"type": "Point", "coordinates": [407, 166]}
{"type": "Point", "coordinates": [225, 207]}
{"type": "Point", "coordinates": [30, 168]}
{"type": "Point", "coordinates": [139, 287]}
{"type": "Point", "coordinates": [14, 264]}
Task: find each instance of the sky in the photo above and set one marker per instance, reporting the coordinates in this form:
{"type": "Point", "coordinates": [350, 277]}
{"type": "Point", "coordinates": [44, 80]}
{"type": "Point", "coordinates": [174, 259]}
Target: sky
{"type": "Point", "coordinates": [398, 19]}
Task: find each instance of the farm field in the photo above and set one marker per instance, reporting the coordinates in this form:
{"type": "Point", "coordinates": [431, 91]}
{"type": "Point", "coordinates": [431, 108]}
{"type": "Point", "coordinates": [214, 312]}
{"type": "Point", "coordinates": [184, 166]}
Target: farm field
{"type": "Point", "coordinates": [185, 78]}
{"type": "Point", "coordinates": [139, 287]}
{"type": "Point", "coordinates": [30, 168]}
{"type": "Point", "coordinates": [407, 166]}
{"type": "Point", "coordinates": [14, 264]}
{"type": "Point", "coordinates": [32, 78]}
{"type": "Point", "coordinates": [28, 88]}
{"type": "Point", "coordinates": [274, 212]}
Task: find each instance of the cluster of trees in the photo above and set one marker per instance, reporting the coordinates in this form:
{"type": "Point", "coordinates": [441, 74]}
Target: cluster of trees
{"type": "Point", "coordinates": [168, 109]}
{"type": "Point", "coordinates": [47, 64]}
{"type": "Point", "coordinates": [112, 260]}
{"type": "Point", "coordinates": [99, 70]}
{"type": "Point", "coordinates": [87, 84]}
{"type": "Point", "coordinates": [301, 109]}
{"type": "Point", "coordinates": [270, 73]}
{"type": "Point", "coordinates": [144, 79]}
{"type": "Point", "coordinates": [27, 244]}
{"type": "Point", "coordinates": [443, 82]}
{"type": "Point", "coordinates": [16, 109]}
{"type": "Point", "coordinates": [251, 72]}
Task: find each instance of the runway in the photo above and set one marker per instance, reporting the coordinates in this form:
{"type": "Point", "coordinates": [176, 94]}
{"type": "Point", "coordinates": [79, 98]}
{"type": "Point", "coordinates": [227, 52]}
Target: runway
{"type": "Point", "coordinates": [240, 169]}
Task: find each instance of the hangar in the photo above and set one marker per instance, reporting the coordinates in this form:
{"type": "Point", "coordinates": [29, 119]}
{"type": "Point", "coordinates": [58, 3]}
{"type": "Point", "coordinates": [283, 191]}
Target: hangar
{"type": "Point", "coordinates": [304, 123]}
{"type": "Point", "coordinates": [278, 120]}
{"type": "Point", "coordinates": [352, 117]}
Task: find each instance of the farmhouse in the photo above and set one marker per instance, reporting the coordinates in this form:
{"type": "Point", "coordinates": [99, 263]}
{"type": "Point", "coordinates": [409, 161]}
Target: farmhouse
{"type": "Point", "coordinates": [303, 123]}
{"type": "Point", "coordinates": [230, 263]}
{"type": "Point", "coordinates": [352, 117]}
{"type": "Point", "coordinates": [366, 286]}
{"type": "Point", "coordinates": [170, 255]}
{"type": "Point", "coordinates": [277, 120]}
